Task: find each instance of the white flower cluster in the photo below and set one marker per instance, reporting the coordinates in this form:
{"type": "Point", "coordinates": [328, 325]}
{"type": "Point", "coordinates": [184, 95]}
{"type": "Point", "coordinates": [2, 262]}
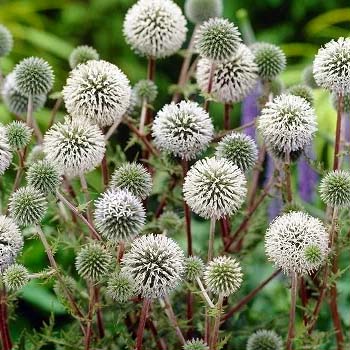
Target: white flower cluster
{"type": "Point", "coordinates": [5, 151]}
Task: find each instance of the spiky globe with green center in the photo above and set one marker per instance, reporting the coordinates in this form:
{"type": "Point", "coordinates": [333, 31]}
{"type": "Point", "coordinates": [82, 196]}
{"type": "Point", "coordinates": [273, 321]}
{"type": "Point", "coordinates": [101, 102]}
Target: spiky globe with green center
{"type": "Point", "coordinates": [18, 134]}
{"type": "Point", "coordinates": [15, 277]}
{"type": "Point", "coordinates": [345, 102]}
{"type": "Point", "coordinates": [27, 206]}
{"type": "Point", "coordinates": [120, 287]}
{"type": "Point", "coordinates": [303, 91]}
{"type": "Point", "coordinates": [270, 59]}
{"type": "Point", "coordinates": [146, 90]}
{"type": "Point", "coordinates": [238, 148]}
{"type": "Point", "coordinates": [82, 54]}
{"type": "Point", "coordinates": [133, 177]}
{"type": "Point", "coordinates": [308, 78]}
{"type": "Point", "coordinates": [6, 41]}
{"type": "Point", "coordinates": [5, 151]}
{"type": "Point", "coordinates": [195, 344]}
{"type": "Point", "coordinates": [217, 39]}
{"type": "Point", "coordinates": [33, 76]}
{"type": "Point", "coordinates": [265, 340]}
{"type": "Point", "coordinates": [170, 222]}
{"type": "Point", "coordinates": [194, 268]}
{"type": "Point", "coordinates": [223, 276]}
{"type": "Point", "coordinates": [44, 176]}
{"type": "Point", "coordinates": [313, 254]}
{"type": "Point", "coordinates": [198, 11]}
{"type": "Point", "coordinates": [335, 188]}
{"type": "Point", "coordinates": [93, 261]}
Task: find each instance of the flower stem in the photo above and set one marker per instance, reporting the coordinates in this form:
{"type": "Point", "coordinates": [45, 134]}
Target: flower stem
{"type": "Point", "coordinates": [4, 330]}
{"type": "Point", "coordinates": [210, 86]}
{"type": "Point", "coordinates": [215, 333]}
{"type": "Point", "coordinates": [288, 178]}
{"type": "Point", "coordinates": [338, 133]}
{"type": "Point", "coordinates": [30, 111]}
{"type": "Point", "coordinates": [142, 322]}
{"type": "Point", "coordinates": [88, 332]}
{"type": "Point", "coordinates": [211, 239]}
{"type": "Point", "coordinates": [291, 328]}
{"type": "Point", "coordinates": [104, 168]}
{"type": "Point", "coordinates": [184, 164]}
{"type": "Point", "coordinates": [227, 112]}
{"type": "Point", "coordinates": [84, 188]}
{"type": "Point", "coordinates": [204, 293]}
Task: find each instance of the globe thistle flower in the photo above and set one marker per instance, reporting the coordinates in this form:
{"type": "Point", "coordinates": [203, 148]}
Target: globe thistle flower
{"type": "Point", "coordinates": [194, 268]}
{"type": "Point", "coordinates": [155, 28]}
{"type": "Point", "coordinates": [35, 154]}
{"type": "Point", "coordinates": [18, 134]}
{"type": "Point", "coordinates": [27, 206]}
{"type": "Point", "coordinates": [270, 60]}
{"type": "Point", "coordinates": [170, 222]}
{"type": "Point", "coordinates": [238, 148]}
{"type": "Point", "coordinates": [43, 176]}
{"type": "Point", "coordinates": [331, 66]}
{"type": "Point", "coordinates": [16, 102]}
{"type": "Point", "coordinates": [15, 277]}
{"type": "Point", "coordinates": [133, 177]}
{"type": "Point", "coordinates": [233, 79]}
{"type": "Point", "coordinates": [288, 240]}
{"type": "Point", "coordinates": [308, 78]}
{"type": "Point", "coordinates": [75, 146]}
{"type": "Point", "coordinates": [155, 263]}
{"type": "Point", "coordinates": [335, 188]}
{"type": "Point", "coordinates": [302, 91]}
{"type": "Point", "coordinates": [280, 155]}
{"type": "Point", "coordinates": [93, 261]}
{"type": "Point", "coordinates": [146, 89]}
{"type": "Point", "coordinates": [345, 101]}
{"type": "Point", "coordinates": [195, 344]}
{"type": "Point", "coordinates": [5, 151]}
{"type": "Point", "coordinates": [33, 76]}
{"type": "Point", "coordinates": [82, 54]}
{"type": "Point", "coordinates": [217, 39]}
{"type": "Point", "coordinates": [6, 41]}
{"type": "Point", "coordinates": [133, 109]}
{"type": "Point", "coordinates": [120, 287]}
{"type": "Point", "coordinates": [11, 242]}
{"type": "Point", "coordinates": [198, 11]}
{"type": "Point", "coordinates": [97, 90]}
{"type": "Point", "coordinates": [287, 123]}
{"type": "Point", "coordinates": [265, 340]}
{"type": "Point", "coordinates": [214, 187]}
{"type": "Point", "coordinates": [184, 129]}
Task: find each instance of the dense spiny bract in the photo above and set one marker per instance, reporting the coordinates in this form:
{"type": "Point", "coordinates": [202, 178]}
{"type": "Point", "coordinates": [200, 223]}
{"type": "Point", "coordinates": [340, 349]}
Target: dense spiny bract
{"type": "Point", "coordinates": [313, 254]}
{"type": "Point", "coordinates": [33, 76]}
{"type": "Point", "coordinates": [335, 188]}
{"type": "Point", "coordinates": [288, 123]}
{"type": "Point", "coordinates": [98, 91]}
{"type": "Point", "coordinates": [82, 54]}
{"type": "Point", "coordinates": [75, 146]}
{"type": "Point", "coordinates": [133, 177]}
{"type": "Point", "coordinates": [214, 188]}
{"type": "Point", "coordinates": [302, 91]}
{"type": "Point", "coordinates": [27, 206]}
{"type": "Point", "coordinates": [233, 78]}
{"type": "Point", "coordinates": [18, 134]}
{"type": "Point", "coordinates": [198, 11]}
{"type": "Point", "coordinates": [223, 276]}
{"type": "Point", "coordinates": [6, 41]}
{"type": "Point", "coordinates": [11, 242]}
{"type": "Point", "coordinates": [195, 344]}
{"type": "Point", "coordinates": [5, 151]}
{"type": "Point", "coordinates": [308, 77]}
{"type": "Point", "coordinates": [155, 28]}
{"type": "Point", "coordinates": [170, 222]}
{"type": "Point", "coordinates": [184, 129]}
{"type": "Point", "coordinates": [15, 277]}
{"type": "Point", "coordinates": [120, 287]}
{"type": "Point", "coordinates": [155, 263]}
{"type": "Point", "coordinates": [146, 89]}
{"type": "Point", "coordinates": [238, 148]}
{"type": "Point", "coordinates": [217, 39]}
{"type": "Point", "coordinates": [332, 66]}
{"type": "Point", "coordinates": [288, 239]}
{"type": "Point", "coordinates": [119, 215]}
{"type": "Point", "coordinates": [194, 268]}
{"type": "Point", "coordinates": [265, 340]}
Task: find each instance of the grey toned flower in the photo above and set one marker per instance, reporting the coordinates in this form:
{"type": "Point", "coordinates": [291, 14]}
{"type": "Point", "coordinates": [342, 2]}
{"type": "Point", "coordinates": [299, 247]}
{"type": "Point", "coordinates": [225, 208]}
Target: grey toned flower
{"type": "Point", "coordinates": [82, 54]}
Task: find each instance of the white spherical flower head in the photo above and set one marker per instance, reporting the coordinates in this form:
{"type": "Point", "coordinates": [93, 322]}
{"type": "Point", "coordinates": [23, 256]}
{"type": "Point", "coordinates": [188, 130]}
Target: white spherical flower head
{"type": "Point", "coordinates": [184, 129]}
{"type": "Point", "coordinates": [233, 79]}
{"type": "Point", "coordinates": [155, 28]}
{"type": "Point", "coordinates": [297, 242]}
{"type": "Point", "coordinates": [214, 187]}
{"type": "Point", "coordinates": [119, 215]}
{"type": "Point", "coordinates": [97, 90]}
{"type": "Point", "coordinates": [5, 151]}
{"type": "Point", "coordinates": [75, 146]}
{"type": "Point", "coordinates": [288, 123]}
{"type": "Point", "coordinates": [155, 263]}
{"type": "Point", "coordinates": [332, 66]}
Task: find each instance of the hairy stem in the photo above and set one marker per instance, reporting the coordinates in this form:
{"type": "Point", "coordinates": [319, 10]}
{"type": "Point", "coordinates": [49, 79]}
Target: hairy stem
{"type": "Point", "coordinates": [291, 328]}
{"type": "Point", "coordinates": [287, 174]}
{"type": "Point", "coordinates": [215, 333]}
{"type": "Point", "coordinates": [227, 112]}
{"type": "Point", "coordinates": [30, 111]}
{"type": "Point", "coordinates": [4, 329]}
{"type": "Point", "coordinates": [104, 168]}
{"type": "Point", "coordinates": [142, 322]}
{"type": "Point", "coordinates": [88, 332]}
{"type": "Point", "coordinates": [204, 293]}
{"type": "Point", "coordinates": [211, 239]}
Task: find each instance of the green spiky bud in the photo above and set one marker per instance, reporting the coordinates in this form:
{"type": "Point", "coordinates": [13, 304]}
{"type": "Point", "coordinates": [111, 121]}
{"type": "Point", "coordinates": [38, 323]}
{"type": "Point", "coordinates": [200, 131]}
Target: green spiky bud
{"type": "Point", "coordinates": [146, 89]}
{"type": "Point", "coordinates": [313, 254]}
{"type": "Point", "coordinates": [194, 268]}
{"type": "Point", "coordinates": [18, 134]}
{"type": "Point", "coordinates": [195, 344]}
{"type": "Point", "coordinates": [170, 222]}
{"type": "Point", "coordinates": [6, 41]}
{"type": "Point", "coordinates": [120, 287]}
{"type": "Point", "coordinates": [265, 340]}
{"type": "Point", "coordinates": [303, 91]}
{"type": "Point", "coordinates": [82, 54]}
{"type": "Point", "coordinates": [198, 11]}
{"type": "Point", "coordinates": [15, 277]}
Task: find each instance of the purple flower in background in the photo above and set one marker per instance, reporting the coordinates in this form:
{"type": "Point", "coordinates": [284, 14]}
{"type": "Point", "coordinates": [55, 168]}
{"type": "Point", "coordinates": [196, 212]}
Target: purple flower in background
{"type": "Point", "coordinates": [250, 110]}
{"type": "Point", "coordinates": [307, 178]}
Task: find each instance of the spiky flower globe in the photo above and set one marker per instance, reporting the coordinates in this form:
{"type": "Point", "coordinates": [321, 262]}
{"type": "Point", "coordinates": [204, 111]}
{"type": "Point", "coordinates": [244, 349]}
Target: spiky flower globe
{"type": "Point", "coordinates": [214, 188]}
{"type": "Point", "coordinates": [194, 268]}
{"type": "Point", "coordinates": [265, 340]}
{"type": "Point", "coordinates": [155, 28]}
{"type": "Point", "coordinates": [75, 146]}
{"type": "Point", "coordinates": [35, 154]}
{"type": "Point", "coordinates": [288, 241]}
{"type": "Point", "coordinates": [6, 41]}
{"type": "Point", "coordinates": [303, 91]}
{"type": "Point", "coordinates": [18, 134]}
{"type": "Point", "coordinates": [133, 177]}
{"type": "Point", "coordinates": [280, 155]}
{"type": "Point", "coordinates": [195, 344]}
{"type": "Point", "coordinates": [308, 77]}
{"type": "Point", "coordinates": [15, 277]}
{"type": "Point", "coordinates": [146, 90]}
{"type": "Point", "coordinates": [44, 176]}
{"type": "Point", "coordinates": [98, 91]}
{"type": "Point", "coordinates": [198, 11]}
{"type": "Point", "coordinates": [335, 188]}
{"type": "Point", "coordinates": [288, 123]}
{"type": "Point", "coordinates": [33, 76]}
{"type": "Point", "coordinates": [82, 54]}
{"type": "Point", "coordinates": [217, 39]}
{"type": "Point", "coordinates": [155, 263]}
{"type": "Point", "coordinates": [5, 151]}
{"type": "Point", "coordinates": [184, 129]}
{"type": "Point", "coordinates": [170, 222]}
{"type": "Point", "coordinates": [270, 59]}
{"type": "Point", "coordinates": [11, 242]}
{"type": "Point", "coordinates": [332, 66]}
{"type": "Point", "coordinates": [233, 79]}
{"type": "Point", "coordinates": [93, 261]}
{"type": "Point", "coordinates": [27, 206]}
{"type": "Point", "coordinates": [238, 148]}
{"type": "Point", "coordinates": [345, 102]}
{"type": "Point", "coordinates": [120, 287]}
